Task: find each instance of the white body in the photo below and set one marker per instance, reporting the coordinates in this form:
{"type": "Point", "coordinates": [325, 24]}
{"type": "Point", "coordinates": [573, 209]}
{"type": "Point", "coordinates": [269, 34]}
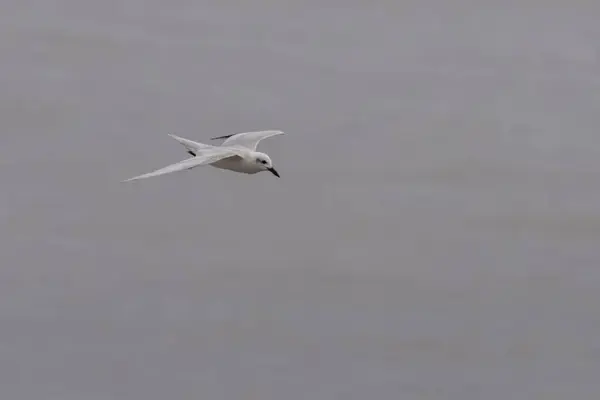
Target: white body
{"type": "Point", "coordinates": [238, 164]}
{"type": "Point", "coordinates": [237, 153]}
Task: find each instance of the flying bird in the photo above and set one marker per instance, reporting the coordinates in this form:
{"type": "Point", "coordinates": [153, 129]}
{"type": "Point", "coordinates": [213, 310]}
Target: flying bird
{"type": "Point", "coordinates": [237, 153]}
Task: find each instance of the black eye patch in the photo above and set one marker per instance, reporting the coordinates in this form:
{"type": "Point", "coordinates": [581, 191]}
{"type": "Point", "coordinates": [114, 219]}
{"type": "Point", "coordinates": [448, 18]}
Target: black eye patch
{"type": "Point", "coordinates": [264, 161]}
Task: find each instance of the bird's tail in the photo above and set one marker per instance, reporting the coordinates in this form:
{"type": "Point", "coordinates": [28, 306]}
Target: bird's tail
{"type": "Point", "coordinates": [194, 148]}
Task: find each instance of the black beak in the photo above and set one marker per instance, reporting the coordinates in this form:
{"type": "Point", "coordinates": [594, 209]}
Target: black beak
{"type": "Point", "coordinates": [274, 172]}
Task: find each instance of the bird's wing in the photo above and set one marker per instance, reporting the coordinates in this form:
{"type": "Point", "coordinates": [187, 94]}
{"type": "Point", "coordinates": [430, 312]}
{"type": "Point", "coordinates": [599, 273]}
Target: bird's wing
{"type": "Point", "coordinates": [208, 157]}
{"type": "Point", "coordinates": [247, 140]}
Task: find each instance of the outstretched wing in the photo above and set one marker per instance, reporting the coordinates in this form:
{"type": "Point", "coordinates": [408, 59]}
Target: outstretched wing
{"type": "Point", "coordinates": [204, 159]}
{"type": "Point", "coordinates": [247, 140]}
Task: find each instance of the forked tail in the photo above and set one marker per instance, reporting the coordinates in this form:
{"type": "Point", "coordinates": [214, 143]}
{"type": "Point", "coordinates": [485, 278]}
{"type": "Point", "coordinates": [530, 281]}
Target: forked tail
{"type": "Point", "coordinates": [193, 148]}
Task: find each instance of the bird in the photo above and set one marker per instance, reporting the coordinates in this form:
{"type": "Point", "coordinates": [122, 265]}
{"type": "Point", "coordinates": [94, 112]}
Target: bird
{"type": "Point", "coordinates": [236, 153]}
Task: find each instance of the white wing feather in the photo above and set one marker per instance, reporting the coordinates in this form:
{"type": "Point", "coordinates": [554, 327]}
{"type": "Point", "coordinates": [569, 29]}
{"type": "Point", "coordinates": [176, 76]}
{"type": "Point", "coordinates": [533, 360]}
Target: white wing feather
{"type": "Point", "coordinates": [248, 140]}
{"type": "Point", "coordinates": [204, 159]}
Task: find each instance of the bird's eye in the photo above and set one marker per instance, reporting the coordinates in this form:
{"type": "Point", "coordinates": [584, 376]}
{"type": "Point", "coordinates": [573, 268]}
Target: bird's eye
{"type": "Point", "coordinates": [264, 161]}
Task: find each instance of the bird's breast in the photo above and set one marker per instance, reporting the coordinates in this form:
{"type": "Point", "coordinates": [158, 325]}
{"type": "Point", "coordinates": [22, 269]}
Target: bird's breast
{"type": "Point", "coordinates": [237, 164]}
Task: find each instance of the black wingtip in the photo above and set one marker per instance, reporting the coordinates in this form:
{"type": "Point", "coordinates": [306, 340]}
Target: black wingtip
{"type": "Point", "coordinates": [221, 137]}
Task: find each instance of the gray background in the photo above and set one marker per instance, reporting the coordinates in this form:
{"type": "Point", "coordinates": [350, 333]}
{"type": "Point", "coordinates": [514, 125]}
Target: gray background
{"type": "Point", "coordinates": [434, 235]}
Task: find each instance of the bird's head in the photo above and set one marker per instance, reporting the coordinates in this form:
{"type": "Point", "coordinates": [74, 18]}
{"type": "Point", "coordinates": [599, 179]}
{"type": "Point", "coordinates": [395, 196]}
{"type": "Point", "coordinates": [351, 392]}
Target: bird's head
{"type": "Point", "coordinates": [265, 163]}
